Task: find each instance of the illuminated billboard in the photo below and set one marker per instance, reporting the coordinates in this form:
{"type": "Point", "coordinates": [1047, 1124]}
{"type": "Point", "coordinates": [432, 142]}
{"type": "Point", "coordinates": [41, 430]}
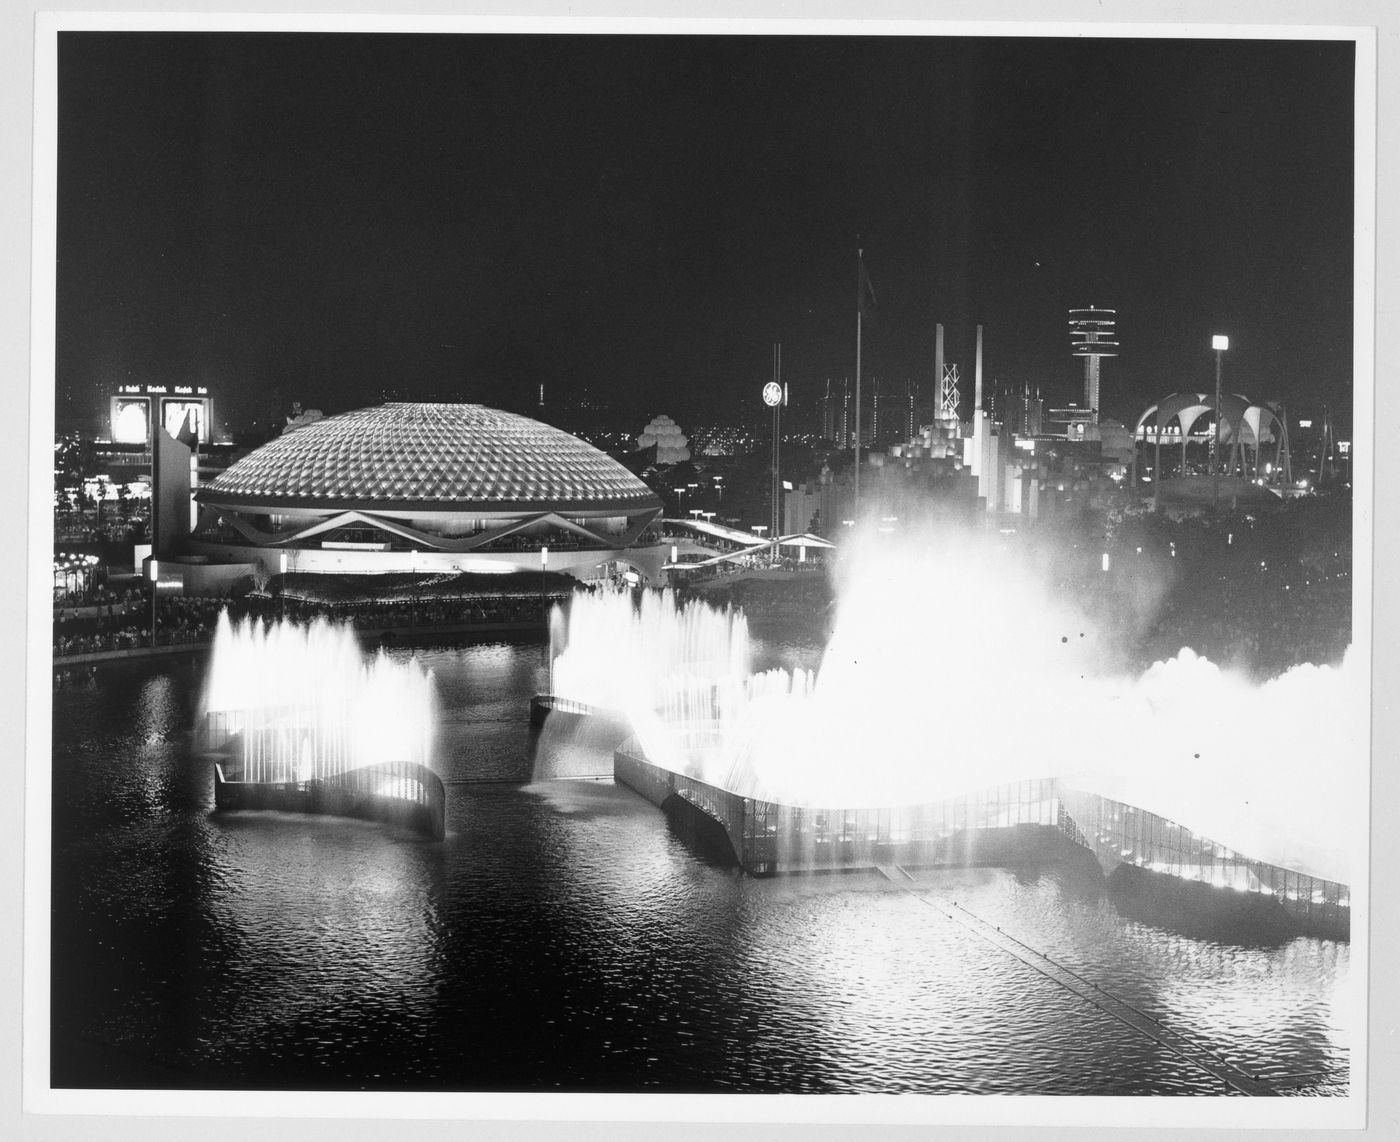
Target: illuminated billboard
{"type": "Point", "coordinates": [174, 411]}
{"type": "Point", "coordinates": [137, 410]}
{"type": "Point", "coordinates": [131, 420]}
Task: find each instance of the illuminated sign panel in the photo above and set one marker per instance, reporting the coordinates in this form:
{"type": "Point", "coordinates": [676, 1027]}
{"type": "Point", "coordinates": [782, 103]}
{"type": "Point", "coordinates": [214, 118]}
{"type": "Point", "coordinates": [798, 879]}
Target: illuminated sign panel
{"type": "Point", "coordinates": [173, 412]}
{"type": "Point", "coordinates": [162, 390]}
{"type": "Point", "coordinates": [137, 410]}
{"type": "Point", "coordinates": [131, 420]}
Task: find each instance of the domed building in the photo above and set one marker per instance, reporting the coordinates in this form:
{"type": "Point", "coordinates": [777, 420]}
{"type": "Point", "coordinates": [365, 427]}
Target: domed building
{"type": "Point", "coordinates": [429, 487]}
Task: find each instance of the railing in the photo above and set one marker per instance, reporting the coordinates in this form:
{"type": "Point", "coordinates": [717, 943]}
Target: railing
{"type": "Point", "coordinates": [568, 705]}
{"type": "Point", "coordinates": [779, 837]}
{"type": "Point", "coordinates": [1124, 834]}
{"type": "Point", "coordinates": [1009, 823]}
{"type": "Point", "coordinates": [396, 792]}
{"type": "Point", "coordinates": [770, 837]}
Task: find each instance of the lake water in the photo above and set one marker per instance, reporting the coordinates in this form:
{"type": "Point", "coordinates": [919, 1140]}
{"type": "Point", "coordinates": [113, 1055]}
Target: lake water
{"type": "Point", "coordinates": [564, 937]}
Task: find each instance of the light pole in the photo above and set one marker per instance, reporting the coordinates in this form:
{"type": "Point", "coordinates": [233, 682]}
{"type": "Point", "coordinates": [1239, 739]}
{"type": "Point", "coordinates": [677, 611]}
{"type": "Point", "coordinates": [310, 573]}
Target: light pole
{"type": "Point", "coordinates": [773, 398]}
{"type": "Point", "coordinates": [1219, 343]}
{"type": "Point", "coordinates": [155, 583]}
{"type": "Point", "coordinates": [283, 560]}
{"type": "Point", "coordinates": [544, 567]}
{"type": "Point", "coordinates": [680, 500]}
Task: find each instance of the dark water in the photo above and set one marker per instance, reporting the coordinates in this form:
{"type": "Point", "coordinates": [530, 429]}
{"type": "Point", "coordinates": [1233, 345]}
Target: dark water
{"type": "Point", "coordinates": [564, 937]}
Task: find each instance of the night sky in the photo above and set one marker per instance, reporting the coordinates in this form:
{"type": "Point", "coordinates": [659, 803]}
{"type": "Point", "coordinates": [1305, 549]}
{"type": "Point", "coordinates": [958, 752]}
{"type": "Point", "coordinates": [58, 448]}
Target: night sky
{"type": "Point", "coordinates": [330, 218]}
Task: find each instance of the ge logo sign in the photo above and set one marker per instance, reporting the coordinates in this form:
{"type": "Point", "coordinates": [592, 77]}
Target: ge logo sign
{"type": "Point", "coordinates": [772, 394]}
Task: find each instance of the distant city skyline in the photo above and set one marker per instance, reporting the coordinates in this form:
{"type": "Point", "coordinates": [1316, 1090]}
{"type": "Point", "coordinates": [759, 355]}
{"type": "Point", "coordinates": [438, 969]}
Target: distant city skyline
{"type": "Point", "coordinates": [332, 218]}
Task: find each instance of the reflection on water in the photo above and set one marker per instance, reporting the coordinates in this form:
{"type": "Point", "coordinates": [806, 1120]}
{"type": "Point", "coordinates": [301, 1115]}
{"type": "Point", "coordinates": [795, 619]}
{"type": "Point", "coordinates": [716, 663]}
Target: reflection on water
{"type": "Point", "coordinates": [563, 936]}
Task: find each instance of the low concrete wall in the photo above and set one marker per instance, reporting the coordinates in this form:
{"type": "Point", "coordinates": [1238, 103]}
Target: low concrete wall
{"type": "Point", "coordinates": [582, 563]}
{"type": "Point", "coordinates": [203, 578]}
{"type": "Point", "coordinates": [95, 656]}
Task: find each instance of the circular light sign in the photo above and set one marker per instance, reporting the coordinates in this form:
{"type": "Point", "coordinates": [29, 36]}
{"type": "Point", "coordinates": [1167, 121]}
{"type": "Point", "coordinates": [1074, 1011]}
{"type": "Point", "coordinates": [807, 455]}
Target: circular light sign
{"type": "Point", "coordinates": [772, 394]}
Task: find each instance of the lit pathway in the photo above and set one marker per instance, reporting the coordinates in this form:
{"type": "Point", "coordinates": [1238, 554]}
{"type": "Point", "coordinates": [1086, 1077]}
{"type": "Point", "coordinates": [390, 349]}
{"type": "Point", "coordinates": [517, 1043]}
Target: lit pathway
{"type": "Point", "coordinates": [1193, 1052]}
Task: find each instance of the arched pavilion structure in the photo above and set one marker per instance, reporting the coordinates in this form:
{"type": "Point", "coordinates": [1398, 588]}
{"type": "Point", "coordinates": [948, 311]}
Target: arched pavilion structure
{"type": "Point", "coordinates": [1245, 428]}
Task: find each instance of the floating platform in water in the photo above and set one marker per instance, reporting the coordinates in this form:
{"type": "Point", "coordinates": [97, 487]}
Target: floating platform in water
{"type": "Point", "coordinates": [398, 793]}
{"type": "Point", "coordinates": [1164, 870]}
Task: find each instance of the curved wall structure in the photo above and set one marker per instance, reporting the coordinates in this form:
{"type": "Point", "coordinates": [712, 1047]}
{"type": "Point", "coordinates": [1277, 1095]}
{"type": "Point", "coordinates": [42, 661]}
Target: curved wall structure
{"type": "Point", "coordinates": [1018, 824]}
{"type": "Point", "coordinates": [395, 793]}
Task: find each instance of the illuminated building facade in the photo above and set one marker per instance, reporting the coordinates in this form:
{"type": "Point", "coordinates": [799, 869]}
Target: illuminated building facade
{"type": "Point", "coordinates": [1072, 423]}
{"type": "Point", "coordinates": [430, 487]}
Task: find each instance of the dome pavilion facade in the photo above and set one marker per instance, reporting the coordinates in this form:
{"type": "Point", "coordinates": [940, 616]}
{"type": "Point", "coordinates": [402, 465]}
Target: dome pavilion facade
{"type": "Point", "coordinates": [429, 487]}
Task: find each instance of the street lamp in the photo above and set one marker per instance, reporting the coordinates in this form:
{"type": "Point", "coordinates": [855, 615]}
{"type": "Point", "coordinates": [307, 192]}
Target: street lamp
{"type": "Point", "coordinates": [773, 398]}
{"type": "Point", "coordinates": [282, 558]}
{"type": "Point", "coordinates": [758, 529]}
{"type": "Point", "coordinates": [544, 567]}
{"type": "Point", "coordinates": [1220, 343]}
{"type": "Point", "coordinates": [680, 500]}
{"type": "Point", "coordinates": [155, 583]}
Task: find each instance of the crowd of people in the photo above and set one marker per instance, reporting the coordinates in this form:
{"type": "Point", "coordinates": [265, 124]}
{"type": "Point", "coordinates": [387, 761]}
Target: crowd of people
{"type": "Point", "coordinates": [1258, 593]}
{"type": "Point", "coordinates": [1261, 630]}
{"type": "Point", "coordinates": [110, 620]}
{"type": "Point", "coordinates": [79, 527]}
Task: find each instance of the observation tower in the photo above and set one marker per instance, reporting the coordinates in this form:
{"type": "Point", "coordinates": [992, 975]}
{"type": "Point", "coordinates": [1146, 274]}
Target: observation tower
{"type": "Point", "coordinates": [1092, 332]}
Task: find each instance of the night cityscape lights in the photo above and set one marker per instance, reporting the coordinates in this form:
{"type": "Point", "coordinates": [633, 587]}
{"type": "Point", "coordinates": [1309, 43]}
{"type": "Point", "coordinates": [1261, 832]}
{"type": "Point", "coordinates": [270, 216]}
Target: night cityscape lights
{"type": "Point", "coordinates": [470, 657]}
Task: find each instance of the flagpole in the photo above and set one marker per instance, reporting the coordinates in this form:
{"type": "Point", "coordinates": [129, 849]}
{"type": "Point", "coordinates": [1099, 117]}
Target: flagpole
{"type": "Point", "coordinates": [860, 306]}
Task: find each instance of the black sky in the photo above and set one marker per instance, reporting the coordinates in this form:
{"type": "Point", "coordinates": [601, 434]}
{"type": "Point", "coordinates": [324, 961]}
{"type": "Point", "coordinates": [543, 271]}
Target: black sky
{"type": "Point", "coordinates": [324, 217]}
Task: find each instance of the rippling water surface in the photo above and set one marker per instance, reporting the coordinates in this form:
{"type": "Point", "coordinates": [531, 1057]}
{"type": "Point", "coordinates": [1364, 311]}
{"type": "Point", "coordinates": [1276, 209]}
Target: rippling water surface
{"type": "Point", "coordinates": [563, 937]}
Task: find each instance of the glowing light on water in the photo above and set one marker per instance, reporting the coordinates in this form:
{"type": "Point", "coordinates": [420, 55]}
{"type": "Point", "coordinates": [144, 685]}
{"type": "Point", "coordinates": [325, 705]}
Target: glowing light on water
{"type": "Point", "coordinates": [953, 667]}
{"type": "Point", "coordinates": [308, 704]}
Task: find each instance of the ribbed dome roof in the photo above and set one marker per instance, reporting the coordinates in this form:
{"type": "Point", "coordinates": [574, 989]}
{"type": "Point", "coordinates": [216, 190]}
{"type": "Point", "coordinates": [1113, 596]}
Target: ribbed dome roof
{"type": "Point", "coordinates": [419, 455]}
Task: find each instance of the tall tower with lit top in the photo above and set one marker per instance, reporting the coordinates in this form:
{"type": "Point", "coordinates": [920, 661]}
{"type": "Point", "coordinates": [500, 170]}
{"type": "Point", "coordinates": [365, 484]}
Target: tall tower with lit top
{"type": "Point", "coordinates": [1092, 334]}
